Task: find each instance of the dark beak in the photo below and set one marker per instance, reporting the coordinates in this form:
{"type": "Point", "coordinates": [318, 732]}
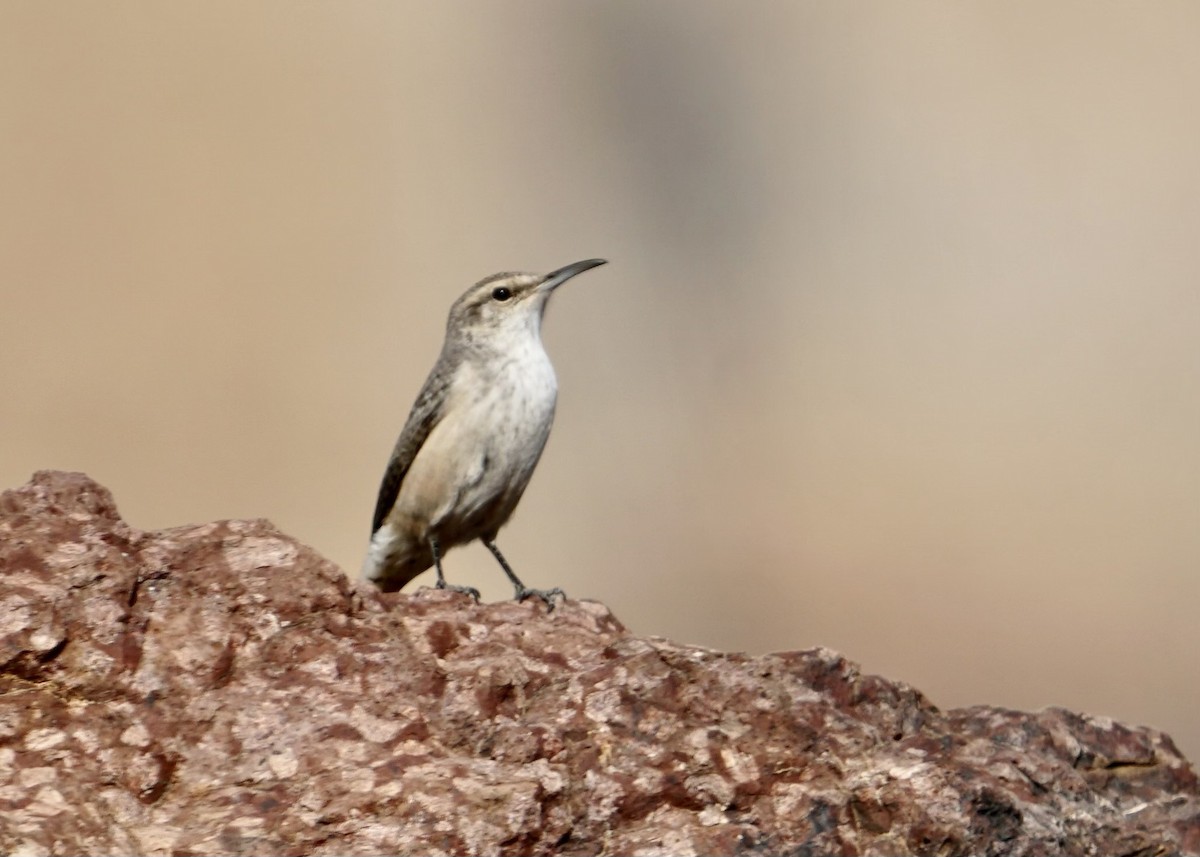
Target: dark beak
{"type": "Point", "coordinates": [557, 278]}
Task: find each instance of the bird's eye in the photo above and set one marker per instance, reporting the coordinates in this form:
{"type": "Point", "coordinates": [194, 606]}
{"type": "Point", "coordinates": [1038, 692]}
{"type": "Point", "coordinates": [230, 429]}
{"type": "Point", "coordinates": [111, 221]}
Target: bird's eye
{"type": "Point", "coordinates": [501, 294]}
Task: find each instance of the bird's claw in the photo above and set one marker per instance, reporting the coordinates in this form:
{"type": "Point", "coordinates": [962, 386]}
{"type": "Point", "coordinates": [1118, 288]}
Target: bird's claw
{"type": "Point", "coordinates": [547, 595]}
{"type": "Point", "coordinates": [465, 590]}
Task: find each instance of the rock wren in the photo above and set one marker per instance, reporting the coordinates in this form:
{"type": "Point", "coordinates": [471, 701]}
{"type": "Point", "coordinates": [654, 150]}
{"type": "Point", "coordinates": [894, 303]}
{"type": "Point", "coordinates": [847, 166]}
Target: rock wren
{"type": "Point", "coordinates": [474, 434]}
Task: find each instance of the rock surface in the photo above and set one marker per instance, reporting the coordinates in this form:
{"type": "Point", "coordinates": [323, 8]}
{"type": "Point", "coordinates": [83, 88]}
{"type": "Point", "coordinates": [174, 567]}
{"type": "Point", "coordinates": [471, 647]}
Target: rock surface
{"type": "Point", "coordinates": [223, 689]}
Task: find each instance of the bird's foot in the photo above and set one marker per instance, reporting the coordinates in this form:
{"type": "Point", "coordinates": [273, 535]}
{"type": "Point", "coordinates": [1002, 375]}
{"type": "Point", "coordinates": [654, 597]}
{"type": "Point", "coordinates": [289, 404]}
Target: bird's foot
{"type": "Point", "coordinates": [547, 595]}
{"type": "Point", "coordinates": [465, 590]}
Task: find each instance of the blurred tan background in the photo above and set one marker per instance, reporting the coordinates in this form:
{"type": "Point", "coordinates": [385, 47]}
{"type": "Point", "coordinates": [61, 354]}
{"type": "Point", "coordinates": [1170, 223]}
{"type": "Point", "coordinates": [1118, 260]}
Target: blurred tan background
{"type": "Point", "coordinates": [897, 351]}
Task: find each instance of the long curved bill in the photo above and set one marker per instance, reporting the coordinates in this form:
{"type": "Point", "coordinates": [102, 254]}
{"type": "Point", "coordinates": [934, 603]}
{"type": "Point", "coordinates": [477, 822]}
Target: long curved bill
{"type": "Point", "coordinates": [556, 278]}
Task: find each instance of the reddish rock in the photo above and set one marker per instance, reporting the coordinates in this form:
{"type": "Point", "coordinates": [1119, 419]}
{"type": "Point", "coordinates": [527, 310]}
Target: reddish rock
{"type": "Point", "coordinates": [223, 689]}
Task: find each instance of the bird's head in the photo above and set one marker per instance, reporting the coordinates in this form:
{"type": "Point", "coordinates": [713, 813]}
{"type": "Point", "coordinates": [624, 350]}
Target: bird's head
{"type": "Point", "coordinates": [508, 304]}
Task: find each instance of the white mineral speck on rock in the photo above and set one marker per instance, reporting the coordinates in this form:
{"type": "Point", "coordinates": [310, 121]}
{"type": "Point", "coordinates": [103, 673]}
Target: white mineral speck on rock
{"type": "Point", "coordinates": [44, 739]}
{"type": "Point", "coordinates": [283, 764]}
{"type": "Point", "coordinates": [136, 736]}
{"type": "Point", "coordinates": [259, 552]}
{"type": "Point", "coordinates": [373, 728]}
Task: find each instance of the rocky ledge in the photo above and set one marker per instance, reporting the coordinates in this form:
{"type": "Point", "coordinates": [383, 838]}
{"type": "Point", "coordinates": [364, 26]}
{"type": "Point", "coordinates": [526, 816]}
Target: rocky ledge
{"type": "Point", "coordinates": [222, 688]}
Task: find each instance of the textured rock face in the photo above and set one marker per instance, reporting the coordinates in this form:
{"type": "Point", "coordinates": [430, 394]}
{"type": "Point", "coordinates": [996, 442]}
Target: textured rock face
{"type": "Point", "coordinates": [223, 689]}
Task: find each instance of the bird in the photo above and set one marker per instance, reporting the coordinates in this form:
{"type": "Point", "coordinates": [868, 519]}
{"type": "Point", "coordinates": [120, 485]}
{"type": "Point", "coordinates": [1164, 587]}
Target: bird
{"type": "Point", "coordinates": [473, 437]}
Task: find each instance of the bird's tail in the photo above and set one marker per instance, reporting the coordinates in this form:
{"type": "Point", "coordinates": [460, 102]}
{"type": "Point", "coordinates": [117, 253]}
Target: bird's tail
{"type": "Point", "coordinates": [388, 565]}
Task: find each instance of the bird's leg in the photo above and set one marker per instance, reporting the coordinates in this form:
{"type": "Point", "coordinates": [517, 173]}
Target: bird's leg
{"type": "Point", "coordinates": [441, 581]}
{"type": "Point", "coordinates": [523, 591]}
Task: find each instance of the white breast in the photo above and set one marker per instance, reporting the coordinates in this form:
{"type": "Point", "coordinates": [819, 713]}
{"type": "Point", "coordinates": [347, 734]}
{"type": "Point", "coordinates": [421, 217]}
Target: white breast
{"type": "Point", "coordinates": [478, 460]}
{"type": "Point", "coordinates": [515, 412]}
